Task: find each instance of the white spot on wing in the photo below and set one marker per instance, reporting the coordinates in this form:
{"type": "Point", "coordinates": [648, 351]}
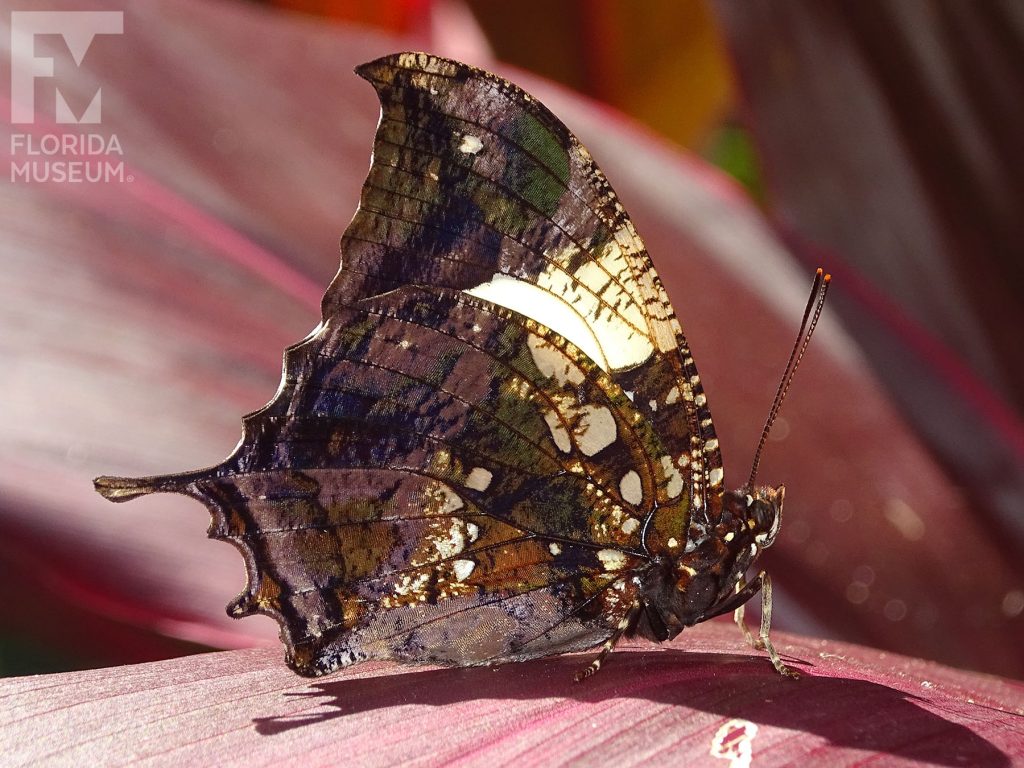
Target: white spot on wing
{"type": "Point", "coordinates": [544, 307]}
{"type": "Point", "coordinates": [612, 559]}
{"type": "Point", "coordinates": [675, 480]}
{"type": "Point", "coordinates": [462, 569]}
{"type": "Point", "coordinates": [621, 338]}
{"type": "Point", "coordinates": [411, 586]}
{"type": "Point", "coordinates": [478, 479]}
{"type": "Point", "coordinates": [716, 475]}
{"type": "Point", "coordinates": [599, 307]}
{"type": "Point", "coordinates": [553, 362]}
{"type": "Point", "coordinates": [454, 544]}
{"type": "Point", "coordinates": [558, 431]}
{"type": "Point", "coordinates": [470, 144]}
{"type": "Point", "coordinates": [631, 488]}
{"type": "Point", "coordinates": [596, 429]}
{"type": "Point", "coordinates": [449, 501]}
{"type": "Point", "coordinates": [554, 548]}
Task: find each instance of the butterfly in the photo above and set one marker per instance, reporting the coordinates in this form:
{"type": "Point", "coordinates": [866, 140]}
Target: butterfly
{"type": "Point", "coordinates": [495, 446]}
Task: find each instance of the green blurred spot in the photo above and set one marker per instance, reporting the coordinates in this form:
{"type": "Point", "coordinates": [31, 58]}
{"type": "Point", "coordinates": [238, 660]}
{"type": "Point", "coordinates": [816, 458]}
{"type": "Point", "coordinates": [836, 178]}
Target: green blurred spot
{"type": "Point", "coordinates": [731, 148]}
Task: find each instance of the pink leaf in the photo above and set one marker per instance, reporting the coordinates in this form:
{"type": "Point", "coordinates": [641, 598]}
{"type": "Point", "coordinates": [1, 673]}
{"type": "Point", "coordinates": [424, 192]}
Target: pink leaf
{"type": "Point", "coordinates": [647, 705]}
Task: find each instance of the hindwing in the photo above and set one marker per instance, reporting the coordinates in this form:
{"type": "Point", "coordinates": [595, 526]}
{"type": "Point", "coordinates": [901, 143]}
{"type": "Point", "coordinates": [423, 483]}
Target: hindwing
{"type": "Point", "coordinates": [438, 480]}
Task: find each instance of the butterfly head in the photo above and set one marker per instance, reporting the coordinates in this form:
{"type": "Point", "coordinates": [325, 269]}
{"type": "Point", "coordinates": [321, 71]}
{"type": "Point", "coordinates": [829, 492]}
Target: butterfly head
{"type": "Point", "coordinates": [761, 510]}
{"type": "Point", "coordinates": [750, 522]}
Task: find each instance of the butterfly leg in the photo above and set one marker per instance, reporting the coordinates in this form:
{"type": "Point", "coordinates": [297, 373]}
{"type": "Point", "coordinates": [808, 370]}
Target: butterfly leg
{"type": "Point", "coordinates": [627, 621]}
{"type": "Point", "coordinates": [748, 588]}
{"type": "Point", "coordinates": [763, 641]}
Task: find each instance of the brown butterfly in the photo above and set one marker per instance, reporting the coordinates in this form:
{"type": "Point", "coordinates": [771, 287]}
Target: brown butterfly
{"type": "Point", "coordinates": [495, 446]}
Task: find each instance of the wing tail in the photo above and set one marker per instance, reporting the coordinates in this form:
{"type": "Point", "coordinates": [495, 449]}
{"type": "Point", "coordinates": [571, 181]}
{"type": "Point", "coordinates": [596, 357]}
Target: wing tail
{"type": "Point", "coordinates": [120, 489]}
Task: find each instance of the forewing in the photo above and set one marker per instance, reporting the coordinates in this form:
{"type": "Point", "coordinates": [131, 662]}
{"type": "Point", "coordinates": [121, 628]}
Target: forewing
{"type": "Point", "coordinates": [475, 185]}
{"type": "Point", "coordinates": [439, 479]}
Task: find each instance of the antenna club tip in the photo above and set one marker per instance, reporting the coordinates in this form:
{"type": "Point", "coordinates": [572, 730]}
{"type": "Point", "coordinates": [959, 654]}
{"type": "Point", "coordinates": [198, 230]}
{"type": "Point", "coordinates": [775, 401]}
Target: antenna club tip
{"type": "Point", "coordinates": [827, 278]}
{"type": "Point", "coordinates": [819, 271]}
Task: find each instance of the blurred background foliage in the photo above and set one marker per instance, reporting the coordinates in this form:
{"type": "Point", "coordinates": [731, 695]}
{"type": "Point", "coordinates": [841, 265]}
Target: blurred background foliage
{"type": "Point", "coordinates": [663, 62]}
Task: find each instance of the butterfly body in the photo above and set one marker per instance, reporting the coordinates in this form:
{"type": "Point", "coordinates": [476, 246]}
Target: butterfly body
{"type": "Point", "coordinates": [495, 446]}
{"type": "Point", "coordinates": [701, 583]}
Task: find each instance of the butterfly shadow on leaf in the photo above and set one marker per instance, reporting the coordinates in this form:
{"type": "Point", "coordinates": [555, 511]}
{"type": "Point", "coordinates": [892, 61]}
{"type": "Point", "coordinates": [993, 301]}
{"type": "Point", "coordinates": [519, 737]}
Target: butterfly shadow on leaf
{"type": "Point", "coordinates": [848, 713]}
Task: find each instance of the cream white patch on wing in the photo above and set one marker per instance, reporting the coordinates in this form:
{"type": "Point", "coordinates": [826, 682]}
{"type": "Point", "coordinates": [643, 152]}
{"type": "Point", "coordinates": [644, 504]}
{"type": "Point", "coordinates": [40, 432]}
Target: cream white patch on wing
{"type": "Point", "coordinates": [411, 585]}
{"type": "Point", "coordinates": [553, 362]}
{"type": "Point", "coordinates": [631, 488]}
{"type": "Point", "coordinates": [462, 569]}
{"type": "Point", "coordinates": [478, 479]}
{"type": "Point", "coordinates": [595, 430]}
{"type": "Point", "coordinates": [593, 289]}
{"type": "Point", "coordinates": [470, 144]}
{"type": "Point", "coordinates": [673, 477]}
{"type": "Point", "coordinates": [599, 307]}
{"type": "Point", "coordinates": [544, 307]}
{"type": "Point", "coordinates": [453, 543]}
{"type": "Point", "coordinates": [558, 431]}
{"type": "Point", "coordinates": [446, 500]}
{"type": "Point", "coordinates": [612, 559]}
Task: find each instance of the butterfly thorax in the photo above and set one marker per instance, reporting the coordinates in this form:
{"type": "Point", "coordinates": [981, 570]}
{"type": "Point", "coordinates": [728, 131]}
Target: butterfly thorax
{"type": "Point", "coordinates": [702, 582]}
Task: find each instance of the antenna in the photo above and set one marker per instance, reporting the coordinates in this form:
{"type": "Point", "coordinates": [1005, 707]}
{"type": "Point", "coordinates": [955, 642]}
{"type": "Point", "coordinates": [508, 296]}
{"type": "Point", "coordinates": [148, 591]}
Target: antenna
{"type": "Point", "coordinates": [814, 302]}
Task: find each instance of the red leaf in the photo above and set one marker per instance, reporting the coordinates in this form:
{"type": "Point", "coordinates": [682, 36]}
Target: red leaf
{"type": "Point", "coordinates": [646, 705]}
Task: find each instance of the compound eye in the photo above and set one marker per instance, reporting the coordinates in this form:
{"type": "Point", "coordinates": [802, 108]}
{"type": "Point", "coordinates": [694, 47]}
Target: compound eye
{"type": "Point", "coordinates": [765, 517]}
